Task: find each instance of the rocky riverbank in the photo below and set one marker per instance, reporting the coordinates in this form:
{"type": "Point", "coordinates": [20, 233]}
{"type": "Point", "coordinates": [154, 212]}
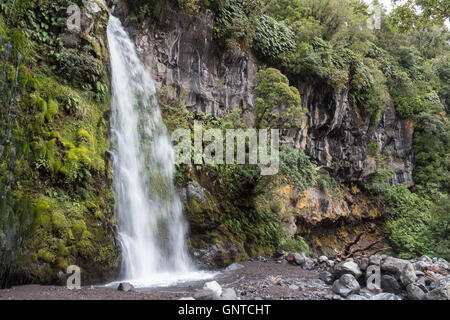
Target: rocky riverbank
{"type": "Point", "coordinates": [287, 276]}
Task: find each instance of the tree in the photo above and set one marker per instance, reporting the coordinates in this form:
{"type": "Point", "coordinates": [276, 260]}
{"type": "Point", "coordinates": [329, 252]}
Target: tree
{"type": "Point", "coordinates": [278, 104]}
{"type": "Point", "coordinates": [416, 13]}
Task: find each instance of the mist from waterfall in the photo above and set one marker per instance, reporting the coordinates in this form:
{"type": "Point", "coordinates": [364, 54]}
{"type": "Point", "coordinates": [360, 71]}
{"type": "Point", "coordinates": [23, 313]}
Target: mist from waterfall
{"type": "Point", "coordinates": [151, 227]}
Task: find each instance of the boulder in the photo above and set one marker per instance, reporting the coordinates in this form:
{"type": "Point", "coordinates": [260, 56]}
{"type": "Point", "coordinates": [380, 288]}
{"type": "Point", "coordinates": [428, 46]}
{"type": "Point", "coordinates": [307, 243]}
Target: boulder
{"type": "Point", "coordinates": [234, 266]}
{"type": "Point", "coordinates": [420, 265]}
{"type": "Point", "coordinates": [385, 296]}
{"type": "Point", "coordinates": [331, 263]}
{"type": "Point", "coordinates": [195, 190]}
{"type": "Point", "coordinates": [228, 294]}
{"type": "Point", "coordinates": [300, 258]}
{"type": "Point", "coordinates": [375, 260]}
{"type": "Point", "coordinates": [423, 283]}
{"type": "Point", "coordinates": [125, 286]}
{"type": "Point", "coordinates": [356, 297]}
{"type": "Point", "coordinates": [408, 274]}
{"type": "Point", "coordinates": [442, 264]}
{"type": "Point", "coordinates": [70, 39]}
{"type": "Point", "coordinates": [279, 254]}
{"type": "Point", "coordinates": [390, 284]}
{"type": "Point", "coordinates": [425, 259]}
{"type": "Point", "coordinates": [309, 264]}
{"type": "Point", "coordinates": [346, 285]}
{"type": "Point", "coordinates": [323, 259]}
{"type": "Point", "coordinates": [214, 287]}
{"type": "Point", "coordinates": [205, 295]}
{"type": "Point", "coordinates": [326, 277]}
{"type": "Point", "coordinates": [419, 274]}
{"type": "Point", "coordinates": [347, 267]}
{"type": "Point", "coordinates": [363, 264]}
{"type": "Point", "coordinates": [393, 265]}
{"type": "Point", "coordinates": [415, 292]}
{"type": "Point", "coordinates": [442, 292]}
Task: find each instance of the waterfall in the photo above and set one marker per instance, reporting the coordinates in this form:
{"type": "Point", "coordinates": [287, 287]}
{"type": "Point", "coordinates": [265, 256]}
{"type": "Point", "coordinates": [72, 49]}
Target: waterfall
{"type": "Point", "coordinates": [151, 227]}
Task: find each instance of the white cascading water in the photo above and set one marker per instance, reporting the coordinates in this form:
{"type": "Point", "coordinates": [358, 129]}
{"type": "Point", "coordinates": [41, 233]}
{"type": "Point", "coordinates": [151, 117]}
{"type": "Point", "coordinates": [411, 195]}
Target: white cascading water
{"type": "Point", "coordinates": [151, 226]}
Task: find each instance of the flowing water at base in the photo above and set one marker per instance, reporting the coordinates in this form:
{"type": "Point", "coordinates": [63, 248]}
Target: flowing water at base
{"type": "Point", "coordinates": [152, 230]}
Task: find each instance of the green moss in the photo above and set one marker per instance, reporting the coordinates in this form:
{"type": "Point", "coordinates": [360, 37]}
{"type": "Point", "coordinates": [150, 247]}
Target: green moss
{"type": "Point", "coordinates": [46, 256]}
{"type": "Point", "coordinates": [79, 229]}
{"type": "Point", "coordinates": [296, 244]}
{"type": "Point", "coordinates": [60, 140]}
{"type": "Point", "coordinates": [60, 224]}
{"type": "Point", "coordinates": [2, 27]}
{"type": "Point", "coordinates": [52, 109]}
{"type": "Point", "coordinates": [84, 137]}
{"type": "Point", "coordinates": [276, 206]}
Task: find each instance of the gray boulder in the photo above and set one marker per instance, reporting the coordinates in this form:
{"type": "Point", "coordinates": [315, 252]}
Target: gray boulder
{"type": "Point", "coordinates": [309, 264]}
{"type": "Point", "coordinates": [356, 297]}
{"type": "Point", "coordinates": [385, 296]}
{"type": "Point", "coordinates": [408, 274]}
{"type": "Point", "coordinates": [375, 260]}
{"type": "Point", "coordinates": [347, 267]}
{"type": "Point", "coordinates": [363, 264]}
{"type": "Point", "coordinates": [424, 283]}
{"type": "Point", "coordinates": [442, 292]}
{"type": "Point", "coordinates": [390, 284]}
{"type": "Point", "coordinates": [442, 264]}
{"type": "Point", "coordinates": [205, 294]}
{"type": "Point", "coordinates": [323, 259]}
{"type": "Point", "coordinates": [346, 285]}
{"type": "Point", "coordinates": [415, 293]}
{"type": "Point", "coordinates": [426, 259]}
{"type": "Point", "coordinates": [300, 258]}
{"type": "Point", "coordinates": [420, 265]}
{"type": "Point", "coordinates": [125, 287]}
{"type": "Point", "coordinates": [234, 266]}
{"type": "Point", "coordinates": [228, 294]}
{"type": "Point", "coordinates": [393, 265]}
{"type": "Point", "coordinates": [195, 190]}
{"type": "Point", "coordinates": [214, 286]}
{"type": "Point", "coordinates": [326, 277]}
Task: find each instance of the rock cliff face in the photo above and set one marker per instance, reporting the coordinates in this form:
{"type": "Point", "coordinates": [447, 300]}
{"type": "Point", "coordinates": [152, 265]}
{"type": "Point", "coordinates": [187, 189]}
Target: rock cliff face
{"type": "Point", "coordinates": [186, 62]}
{"type": "Point", "coordinates": [337, 137]}
{"type": "Point", "coordinates": [182, 55]}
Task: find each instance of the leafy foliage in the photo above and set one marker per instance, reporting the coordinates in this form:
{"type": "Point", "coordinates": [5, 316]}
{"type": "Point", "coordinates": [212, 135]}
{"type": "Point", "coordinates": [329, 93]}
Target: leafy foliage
{"type": "Point", "coordinates": [432, 147]}
{"type": "Point", "coordinates": [278, 105]}
{"type": "Point", "coordinates": [416, 13]}
{"type": "Point", "coordinates": [295, 165]}
{"type": "Point", "coordinates": [272, 38]}
{"type": "Point", "coordinates": [416, 227]}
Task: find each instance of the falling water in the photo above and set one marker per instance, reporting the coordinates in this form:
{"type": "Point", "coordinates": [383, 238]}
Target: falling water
{"type": "Point", "coordinates": [151, 227]}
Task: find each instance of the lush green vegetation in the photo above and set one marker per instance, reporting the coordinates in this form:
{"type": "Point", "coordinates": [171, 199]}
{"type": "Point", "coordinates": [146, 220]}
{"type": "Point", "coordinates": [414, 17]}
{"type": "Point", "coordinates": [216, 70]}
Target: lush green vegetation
{"type": "Point", "coordinates": [278, 105]}
{"type": "Point", "coordinates": [55, 177]}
